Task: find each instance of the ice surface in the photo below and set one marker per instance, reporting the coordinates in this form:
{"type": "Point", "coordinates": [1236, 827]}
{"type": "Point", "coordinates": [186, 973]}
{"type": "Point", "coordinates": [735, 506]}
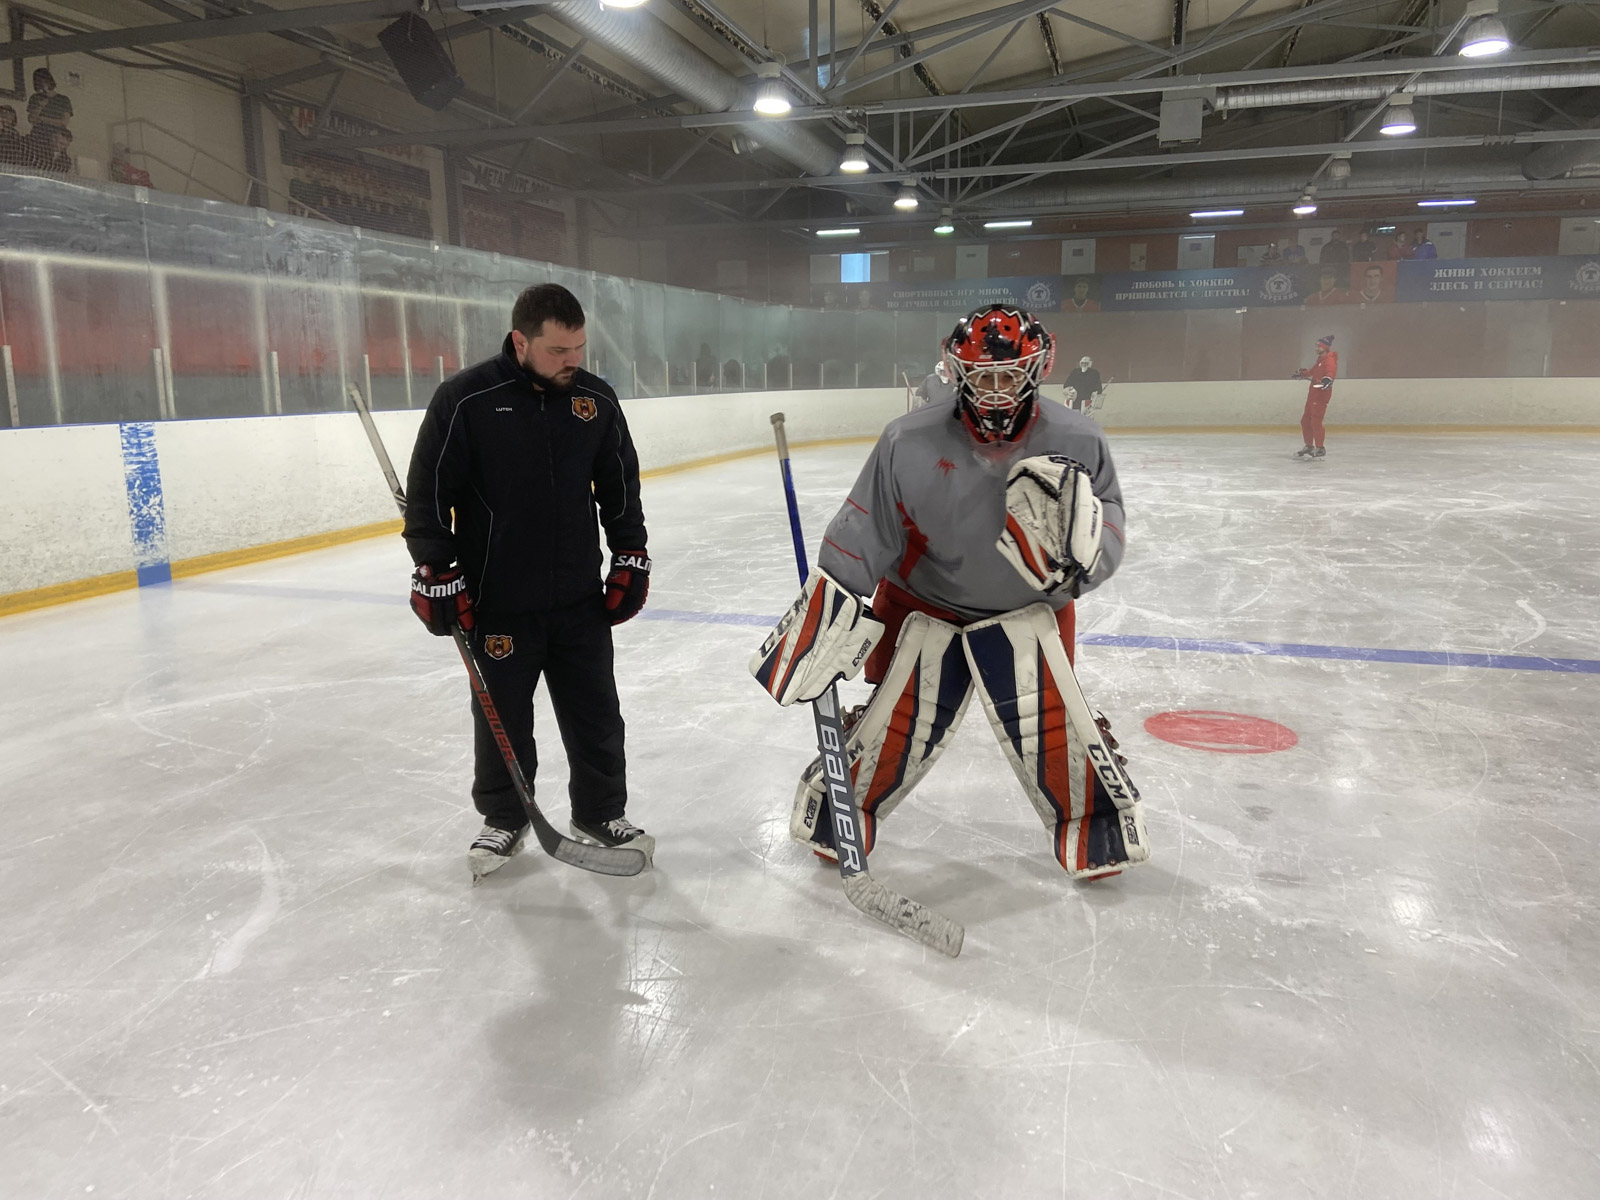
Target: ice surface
{"type": "Point", "coordinates": [242, 958]}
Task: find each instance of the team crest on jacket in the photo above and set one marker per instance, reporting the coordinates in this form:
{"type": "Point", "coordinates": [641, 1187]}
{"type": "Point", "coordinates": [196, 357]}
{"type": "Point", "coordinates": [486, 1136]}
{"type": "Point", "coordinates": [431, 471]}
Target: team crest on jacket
{"type": "Point", "coordinates": [583, 408]}
{"type": "Point", "coordinates": [497, 645]}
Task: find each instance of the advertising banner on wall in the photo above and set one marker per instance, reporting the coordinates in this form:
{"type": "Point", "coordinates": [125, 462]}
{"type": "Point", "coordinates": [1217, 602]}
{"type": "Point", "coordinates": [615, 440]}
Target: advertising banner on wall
{"type": "Point", "coordinates": [1238, 287]}
{"type": "Point", "coordinates": [1036, 293]}
{"type": "Point", "coordinates": [1568, 277]}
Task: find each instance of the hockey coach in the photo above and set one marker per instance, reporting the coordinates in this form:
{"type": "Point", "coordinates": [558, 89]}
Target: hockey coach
{"type": "Point", "coordinates": [519, 463]}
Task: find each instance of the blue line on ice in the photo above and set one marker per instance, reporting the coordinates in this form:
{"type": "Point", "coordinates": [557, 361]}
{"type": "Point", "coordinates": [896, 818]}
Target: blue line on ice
{"type": "Point", "coordinates": [1424, 658]}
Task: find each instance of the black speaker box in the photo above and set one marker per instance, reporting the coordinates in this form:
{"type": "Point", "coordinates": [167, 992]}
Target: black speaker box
{"type": "Point", "coordinates": [424, 66]}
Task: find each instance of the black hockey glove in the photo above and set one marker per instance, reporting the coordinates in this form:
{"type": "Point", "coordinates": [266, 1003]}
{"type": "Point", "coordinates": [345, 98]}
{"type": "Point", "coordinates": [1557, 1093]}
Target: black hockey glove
{"type": "Point", "coordinates": [627, 585]}
{"type": "Point", "coordinates": [440, 600]}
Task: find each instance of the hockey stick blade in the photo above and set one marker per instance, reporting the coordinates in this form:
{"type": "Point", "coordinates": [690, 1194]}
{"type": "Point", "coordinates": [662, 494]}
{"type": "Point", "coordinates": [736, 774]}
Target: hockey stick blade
{"type": "Point", "coordinates": [901, 913]}
{"type": "Point", "coordinates": [603, 860]}
{"type": "Point", "coordinates": [904, 915]}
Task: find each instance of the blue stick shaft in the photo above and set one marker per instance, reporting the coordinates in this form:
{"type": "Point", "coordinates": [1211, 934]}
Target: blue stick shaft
{"type": "Point", "coordinates": [789, 498]}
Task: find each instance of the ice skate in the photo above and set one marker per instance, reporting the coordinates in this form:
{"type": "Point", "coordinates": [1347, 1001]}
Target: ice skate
{"type": "Point", "coordinates": [1320, 452]}
{"type": "Point", "coordinates": [617, 832]}
{"type": "Point", "coordinates": [1307, 452]}
{"type": "Point", "coordinates": [492, 849]}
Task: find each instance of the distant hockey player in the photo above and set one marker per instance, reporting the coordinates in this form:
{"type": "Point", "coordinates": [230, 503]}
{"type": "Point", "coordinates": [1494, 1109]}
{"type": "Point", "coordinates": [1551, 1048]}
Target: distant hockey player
{"type": "Point", "coordinates": [936, 389]}
{"type": "Point", "coordinates": [1084, 386]}
{"type": "Point", "coordinates": [1321, 374]}
{"type": "Point", "coordinates": [973, 526]}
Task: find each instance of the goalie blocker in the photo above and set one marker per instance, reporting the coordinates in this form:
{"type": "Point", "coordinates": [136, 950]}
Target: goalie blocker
{"type": "Point", "coordinates": [1061, 753]}
{"type": "Point", "coordinates": [825, 636]}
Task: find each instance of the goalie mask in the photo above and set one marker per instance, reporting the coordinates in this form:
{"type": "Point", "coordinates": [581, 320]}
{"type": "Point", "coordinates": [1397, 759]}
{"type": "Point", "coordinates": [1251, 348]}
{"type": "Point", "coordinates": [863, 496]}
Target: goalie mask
{"type": "Point", "coordinates": [997, 357]}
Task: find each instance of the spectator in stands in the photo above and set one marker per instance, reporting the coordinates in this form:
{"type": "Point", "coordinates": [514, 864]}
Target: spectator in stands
{"type": "Point", "coordinates": [46, 97]}
{"type": "Point", "coordinates": [45, 149]}
{"type": "Point", "coordinates": [122, 169]}
{"type": "Point", "coordinates": [1337, 250]}
{"type": "Point", "coordinates": [1424, 247]}
{"type": "Point", "coordinates": [705, 367]}
{"type": "Point", "coordinates": [1294, 252]}
{"type": "Point", "coordinates": [1365, 249]}
{"type": "Point", "coordinates": [10, 140]}
{"type": "Point", "coordinates": [1273, 254]}
{"type": "Point", "coordinates": [1399, 249]}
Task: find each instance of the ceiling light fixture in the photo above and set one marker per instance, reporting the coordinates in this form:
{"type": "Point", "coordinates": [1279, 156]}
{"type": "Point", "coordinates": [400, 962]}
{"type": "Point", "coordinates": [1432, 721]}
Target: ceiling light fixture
{"type": "Point", "coordinates": [947, 223]}
{"type": "Point", "coordinates": [838, 232]}
{"type": "Point", "coordinates": [906, 201]}
{"type": "Point", "coordinates": [1306, 205]}
{"type": "Point", "coordinates": [617, 4]}
{"type": "Point", "coordinates": [1398, 119]}
{"type": "Point", "coordinates": [1218, 212]}
{"type": "Point", "coordinates": [855, 154]}
{"type": "Point", "coordinates": [772, 98]}
{"type": "Point", "coordinates": [1010, 224]}
{"type": "Point", "coordinates": [1485, 33]}
{"type": "Point", "coordinates": [1463, 202]}
{"type": "Point", "coordinates": [1339, 168]}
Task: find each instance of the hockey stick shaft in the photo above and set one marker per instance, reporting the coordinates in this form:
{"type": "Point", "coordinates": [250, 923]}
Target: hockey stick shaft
{"type": "Point", "coordinates": [604, 860]}
{"type": "Point", "coordinates": [900, 913]}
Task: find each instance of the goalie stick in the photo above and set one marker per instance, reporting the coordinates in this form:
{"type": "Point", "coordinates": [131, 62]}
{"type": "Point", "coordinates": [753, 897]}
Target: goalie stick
{"type": "Point", "coordinates": [900, 913]}
{"type": "Point", "coordinates": [603, 860]}
{"type": "Point", "coordinates": [1093, 407]}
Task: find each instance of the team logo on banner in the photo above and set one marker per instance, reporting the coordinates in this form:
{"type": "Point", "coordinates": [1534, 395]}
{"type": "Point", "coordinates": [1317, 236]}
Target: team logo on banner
{"type": "Point", "coordinates": [1587, 278]}
{"type": "Point", "coordinates": [497, 645]}
{"type": "Point", "coordinates": [583, 408]}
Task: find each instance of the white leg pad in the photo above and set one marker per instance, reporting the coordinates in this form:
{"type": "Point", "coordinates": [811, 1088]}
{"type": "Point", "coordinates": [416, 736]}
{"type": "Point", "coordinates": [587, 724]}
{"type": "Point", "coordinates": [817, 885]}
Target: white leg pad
{"type": "Point", "coordinates": [895, 741]}
{"type": "Point", "coordinates": [1074, 780]}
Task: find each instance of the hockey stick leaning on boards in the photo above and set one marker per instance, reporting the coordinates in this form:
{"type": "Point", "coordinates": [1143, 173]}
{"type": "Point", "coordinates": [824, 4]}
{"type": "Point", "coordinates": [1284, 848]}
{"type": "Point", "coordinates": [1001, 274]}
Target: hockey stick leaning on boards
{"type": "Point", "coordinates": [900, 913]}
{"type": "Point", "coordinates": [603, 860]}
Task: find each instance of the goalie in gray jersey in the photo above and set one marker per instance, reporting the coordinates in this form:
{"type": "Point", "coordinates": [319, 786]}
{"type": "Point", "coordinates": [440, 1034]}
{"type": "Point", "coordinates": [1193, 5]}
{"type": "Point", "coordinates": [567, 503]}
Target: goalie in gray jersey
{"type": "Point", "coordinates": [973, 527]}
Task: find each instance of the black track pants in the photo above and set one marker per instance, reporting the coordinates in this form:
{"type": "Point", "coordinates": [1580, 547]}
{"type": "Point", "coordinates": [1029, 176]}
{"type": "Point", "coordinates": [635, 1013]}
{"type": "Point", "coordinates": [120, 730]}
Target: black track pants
{"type": "Point", "coordinates": [571, 648]}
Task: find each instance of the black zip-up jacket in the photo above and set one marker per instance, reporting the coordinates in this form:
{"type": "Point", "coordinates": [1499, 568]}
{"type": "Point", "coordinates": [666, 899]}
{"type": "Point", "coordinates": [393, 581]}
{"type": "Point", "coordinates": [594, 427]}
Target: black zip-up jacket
{"type": "Point", "coordinates": [526, 472]}
{"type": "Point", "coordinates": [1087, 383]}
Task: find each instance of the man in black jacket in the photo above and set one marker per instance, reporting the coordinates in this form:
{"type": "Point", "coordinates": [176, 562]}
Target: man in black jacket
{"type": "Point", "coordinates": [519, 461]}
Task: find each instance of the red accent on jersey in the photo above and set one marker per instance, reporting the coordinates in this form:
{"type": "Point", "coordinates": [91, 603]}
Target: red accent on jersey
{"type": "Point", "coordinates": [856, 506]}
{"type": "Point", "coordinates": [841, 549]}
{"type": "Point", "coordinates": [916, 544]}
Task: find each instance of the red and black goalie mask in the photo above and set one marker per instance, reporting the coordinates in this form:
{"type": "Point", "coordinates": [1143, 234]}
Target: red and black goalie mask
{"type": "Point", "coordinates": [998, 356]}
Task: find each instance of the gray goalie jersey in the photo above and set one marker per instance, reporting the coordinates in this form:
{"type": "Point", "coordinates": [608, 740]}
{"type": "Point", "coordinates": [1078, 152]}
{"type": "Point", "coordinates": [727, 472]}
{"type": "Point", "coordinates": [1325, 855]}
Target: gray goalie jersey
{"type": "Point", "coordinates": [930, 503]}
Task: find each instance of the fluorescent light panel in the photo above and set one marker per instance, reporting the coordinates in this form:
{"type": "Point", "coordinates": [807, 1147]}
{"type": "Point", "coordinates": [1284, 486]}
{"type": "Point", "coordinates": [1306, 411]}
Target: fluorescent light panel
{"type": "Point", "coordinates": [1218, 212]}
{"type": "Point", "coordinates": [1443, 203]}
{"type": "Point", "coordinates": [1019, 224]}
{"type": "Point", "coordinates": [838, 232]}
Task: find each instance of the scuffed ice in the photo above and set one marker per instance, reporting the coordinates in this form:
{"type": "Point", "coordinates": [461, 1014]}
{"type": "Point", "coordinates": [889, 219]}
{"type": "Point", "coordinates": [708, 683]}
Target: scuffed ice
{"type": "Point", "coordinates": [242, 956]}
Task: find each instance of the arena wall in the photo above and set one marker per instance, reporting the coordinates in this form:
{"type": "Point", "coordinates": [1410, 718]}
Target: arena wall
{"type": "Point", "coordinates": [97, 508]}
{"type": "Point", "coordinates": [87, 515]}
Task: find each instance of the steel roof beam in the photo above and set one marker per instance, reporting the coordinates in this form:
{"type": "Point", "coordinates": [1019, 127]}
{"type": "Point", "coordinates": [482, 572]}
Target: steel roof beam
{"type": "Point", "coordinates": [197, 30]}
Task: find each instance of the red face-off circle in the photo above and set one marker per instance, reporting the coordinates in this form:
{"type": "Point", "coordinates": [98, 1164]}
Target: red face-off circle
{"type": "Point", "coordinates": [1220, 732]}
